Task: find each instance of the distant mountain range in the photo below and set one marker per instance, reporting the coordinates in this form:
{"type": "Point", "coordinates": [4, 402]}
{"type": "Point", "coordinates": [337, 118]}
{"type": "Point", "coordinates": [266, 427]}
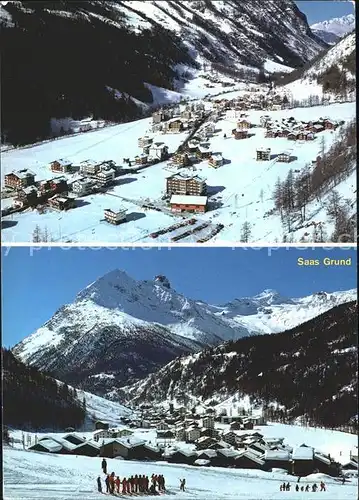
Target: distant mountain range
{"type": "Point", "coordinates": [332, 30]}
{"type": "Point", "coordinates": [119, 330]}
{"type": "Point", "coordinates": [310, 370]}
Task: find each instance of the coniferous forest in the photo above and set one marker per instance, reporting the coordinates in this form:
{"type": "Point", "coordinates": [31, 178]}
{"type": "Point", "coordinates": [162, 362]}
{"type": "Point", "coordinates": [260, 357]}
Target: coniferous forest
{"type": "Point", "coordinates": [311, 370]}
{"type": "Point", "coordinates": [34, 400]}
{"type": "Point", "coordinates": [54, 67]}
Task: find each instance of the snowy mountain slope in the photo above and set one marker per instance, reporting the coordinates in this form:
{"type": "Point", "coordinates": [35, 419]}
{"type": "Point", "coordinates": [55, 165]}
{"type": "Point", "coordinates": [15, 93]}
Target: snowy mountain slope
{"type": "Point", "coordinates": [119, 329]}
{"type": "Point", "coordinates": [326, 36]}
{"type": "Point", "coordinates": [310, 369]}
{"type": "Point", "coordinates": [339, 26]}
{"type": "Point", "coordinates": [151, 38]}
{"type": "Point", "coordinates": [334, 71]}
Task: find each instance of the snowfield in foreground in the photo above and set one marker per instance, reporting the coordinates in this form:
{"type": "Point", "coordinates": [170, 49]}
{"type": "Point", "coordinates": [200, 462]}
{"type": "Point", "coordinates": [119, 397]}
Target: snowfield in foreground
{"type": "Point", "coordinates": [239, 191]}
{"type": "Point", "coordinates": [33, 475]}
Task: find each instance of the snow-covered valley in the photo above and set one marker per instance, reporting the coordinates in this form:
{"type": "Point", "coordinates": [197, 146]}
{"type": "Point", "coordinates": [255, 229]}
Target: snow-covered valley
{"type": "Point", "coordinates": [239, 191]}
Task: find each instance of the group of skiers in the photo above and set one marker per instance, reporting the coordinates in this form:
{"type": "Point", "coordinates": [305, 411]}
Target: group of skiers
{"type": "Point", "coordinates": [134, 484]}
{"type": "Point", "coordinates": [287, 486]}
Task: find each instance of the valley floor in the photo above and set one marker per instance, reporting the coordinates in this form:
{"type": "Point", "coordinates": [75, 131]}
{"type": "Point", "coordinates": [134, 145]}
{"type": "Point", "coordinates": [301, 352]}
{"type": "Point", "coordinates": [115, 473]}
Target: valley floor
{"type": "Point", "coordinates": [239, 191]}
{"type": "Point", "coordinates": [33, 475]}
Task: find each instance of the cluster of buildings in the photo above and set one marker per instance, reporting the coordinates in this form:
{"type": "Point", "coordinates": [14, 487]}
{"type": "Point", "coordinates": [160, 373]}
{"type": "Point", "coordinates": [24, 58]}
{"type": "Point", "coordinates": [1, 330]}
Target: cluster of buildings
{"type": "Point", "coordinates": [294, 130]}
{"type": "Point", "coordinates": [177, 118]}
{"type": "Point", "coordinates": [208, 444]}
{"type": "Point", "coordinates": [29, 193]}
{"type": "Point", "coordinates": [187, 192]}
{"type": "Point", "coordinates": [151, 152]}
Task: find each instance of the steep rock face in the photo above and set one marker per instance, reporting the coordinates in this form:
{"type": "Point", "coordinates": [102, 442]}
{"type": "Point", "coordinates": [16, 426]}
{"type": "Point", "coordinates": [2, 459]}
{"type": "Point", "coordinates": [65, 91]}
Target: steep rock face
{"type": "Point", "coordinates": [112, 48]}
{"type": "Point", "coordinates": [310, 369]}
{"type": "Point", "coordinates": [119, 330]}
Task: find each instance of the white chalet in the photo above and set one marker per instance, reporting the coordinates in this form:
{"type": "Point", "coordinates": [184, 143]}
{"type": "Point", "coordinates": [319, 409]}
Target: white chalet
{"type": "Point", "coordinates": [82, 187]}
{"type": "Point", "coordinates": [102, 434]}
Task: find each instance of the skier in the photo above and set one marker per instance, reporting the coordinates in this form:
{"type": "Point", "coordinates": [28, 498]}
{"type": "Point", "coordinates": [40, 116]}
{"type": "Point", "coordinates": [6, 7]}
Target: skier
{"type": "Point", "coordinates": [107, 482]}
{"type": "Point", "coordinates": [147, 482]}
{"type": "Point", "coordinates": [302, 488]}
{"type": "Point", "coordinates": [182, 484]}
{"type": "Point", "coordinates": [297, 487]}
{"type": "Point", "coordinates": [314, 487]}
{"type": "Point", "coordinates": [307, 487]}
{"type": "Point", "coordinates": [124, 485]}
{"type": "Point", "coordinates": [104, 466]}
{"type": "Point", "coordinates": [135, 483]}
{"type": "Point", "coordinates": [132, 483]}
{"type": "Point", "coordinates": [163, 483]}
{"type": "Point", "coordinates": [343, 480]}
{"type": "Point", "coordinates": [117, 482]}
{"type": "Point", "coordinates": [128, 486]}
{"type": "Point", "coordinates": [287, 487]}
{"type": "Point", "coordinates": [225, 136]}
{"type": "Point", "coordinates": [281, 488]}
{"type": "Point", "coordinates": [99, 485]}
{"type": "Point", "coordinates": [322, 486]}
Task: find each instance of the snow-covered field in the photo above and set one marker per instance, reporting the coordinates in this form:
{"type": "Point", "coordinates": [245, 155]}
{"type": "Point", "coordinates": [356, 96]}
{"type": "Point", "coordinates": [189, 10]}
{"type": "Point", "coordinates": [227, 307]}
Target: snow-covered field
{"type": "Point", "coordinates": [34, 475]}
{"type": "Point", "coordinates": [242, 187]}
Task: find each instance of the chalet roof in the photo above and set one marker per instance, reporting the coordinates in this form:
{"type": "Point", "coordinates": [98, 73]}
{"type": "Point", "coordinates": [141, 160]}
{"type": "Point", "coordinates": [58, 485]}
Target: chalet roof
{"type": "Point", "coordinates": [264, 150]}
{"type": "Point", "coordinates": [29, 189]}
{"type": "Point", "coordinates": [105, 171]}
{"type": "Point", "coordinates": [60, 441]}
{"type": "Point", "coordinates": [115, 212]}
{"type": "Point", "coordinates": [323, 458]}
{"type": "Point", "coordinates": [217, 157]}
{"type": "Point", "coordinates": [303, 453]}
{"type": "Point", "coordinates": [51, 445]}
{"type": "Point", "coordinates": [73, 434]}
{"type": "Point", "coordinates": [255, 458]}
{"type": "Point", "coordinates": [63, 162]}
{"type": "Point", "coordinates": [276, 455]}
{"type": "Point", "coordinates": [126, 443]}
{"type": "Point", "coordinates": [188, 200]}
{"type": "Point", "coordinates": [91, 444]}
{"type": "Point", "coordinates": [186, 176]}
{"type": "Point", "coordinates": [208, 453]}
{"type": "Point", "coordinates": [158, 145]}
{"type": "Point", "coordinates": [22, 174]}
{"type": "Point", "coordinates": [203, 439]}
{"type": "Point", "coordinates": [203, 149]}
{"type": "Point", "coordinates": [286, 153]}
{"type": "Point", "coordinates": [228, 452]}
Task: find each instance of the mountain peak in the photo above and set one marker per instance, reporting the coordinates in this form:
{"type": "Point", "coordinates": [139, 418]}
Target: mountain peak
{"type": "Point", "coordinates": [163, 280]}
{"type": "Point", "coordinates": [340, 26]}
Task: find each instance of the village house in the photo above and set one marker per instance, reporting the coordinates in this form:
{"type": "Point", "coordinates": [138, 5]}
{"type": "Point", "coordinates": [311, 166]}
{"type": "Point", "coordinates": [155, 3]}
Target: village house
{"type": "Point", "coordinates": [186, 184]}
{"type": "Point", "coordinates": [89, 167]}
{"type": "Point", "coordinates": [188, 203]}
{"type": "Point", "coordinates": [180, 457]}
{"type": "Point", "coordinates": [271, 133]}
{"type": "Point", "coordinates": [225, 458]}
{"type": "Point", "coordinates": [26, 197]}
{"type": "Point", "coordinates": [203, 152]}
{"type": "Point", "coordinates": [303, 460]}
{"type": "Point", "coordinates": [99, 424]}
{"type": "Point", "coordinates": [186, 114]}
{"type": "Point", "coordinates": [192, 434]}
{"type": "Point", "coordinates": [292, 136]}
{"type": "Point", "coordinates": [248, 460]}
{"type": "Point", "coordinates": [102, 434]}
{"type": "Point", "coordinates": [181, 160]}
{"type": "Point", "coordinates": [233, 114]}
{"type": "Point", "coordinates": [87, 449]}
{"type": "Point", "coordinates": [304, 135]}
{"type": "Point", "coordinates": [279, 459]}
{"type": "Point", "coordinates": [82, 187]}
{"type": "Point", "coordinates": [210, 432]}
{"type": "Point", "coordinates": [19, 179]}
{"type": "Point", "coordinates": [141, 159]}
{"type": "Point", "coordinates": [105, 176]}
{"type": "Point", "coordinates": [240, 134]}
{"type": "Point", "coordinates": [215, 160]}
{"type": "Point", "coordinates": [173, 125]}
{"type": "Point", "coordinates": [204, 442]}
{"type": "Point", "coordinates": [284, 157]}
{"type": "Point", "coordinates": [159, 151]}
{"type": "Point", "coordinates": [263, 154]}
{"type": "Point", "coordinates": [264, 120]}
{"type": "Point", "coordinates": [283, 132]}
{"type": "Point", "coordinates": [61, 202]}
{"type": "Point", "coordinates": [162, 426]}
{"type": "Point", "coordinates": [230, 437]}
{"type": "Point", "coordinates": [126, 449]}
{"type": "Point", "coordinates": [329, 124]}
{"type": "Point", "coordinates": [145, 141]}
{"type": "Point", "coordinates": [74, 439]}
{"type": "Point", "coordinates": [208, 422]}
{"type": "Point", "coordinates": [63, 166]}
{"type": "Point", "coordinates": [161, 115]}
{"type": "Point", "coordinates": [115, 216]}
{"type": "Point", "coordinates": [51, 444]}
{"type": "Point", "coordinates": [180, 434]}
{"type": "Point", "coordinates": [243, 124]}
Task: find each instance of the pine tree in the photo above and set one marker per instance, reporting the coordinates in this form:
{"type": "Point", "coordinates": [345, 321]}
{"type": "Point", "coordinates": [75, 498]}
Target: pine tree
{"type": "Point", "coordinates": [246, 232]}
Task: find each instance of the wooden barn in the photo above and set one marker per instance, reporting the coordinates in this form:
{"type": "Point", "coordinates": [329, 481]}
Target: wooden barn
{"type": "Point", "coordinates": [63, 166]}
{"type": "Point", "coordinates": [87, 449]}
{"type": "Point", "coordinates": [215, 160]}
{"type": "Point", "coordinates": [61, 202]}
{"type": "Point", "coordinates": [26, 197]}
{"type": "Point", "coordinates": [303, 460]}
{"type": "Point", "coordinates": [240, 134]}
{"type": "Point", "coordinates": [277, 459]}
